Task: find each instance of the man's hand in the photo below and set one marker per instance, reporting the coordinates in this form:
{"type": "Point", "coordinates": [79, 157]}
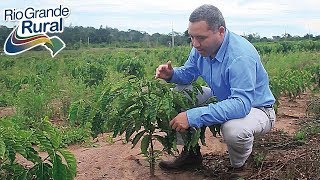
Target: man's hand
{"type": "Point", "coordinates": [164, 71]}
{"type": "Point", "coordinates": [180, 122]}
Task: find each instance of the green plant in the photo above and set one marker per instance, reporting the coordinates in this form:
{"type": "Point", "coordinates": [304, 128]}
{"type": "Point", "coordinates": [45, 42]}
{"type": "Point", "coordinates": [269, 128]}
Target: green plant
{"type": "Point", "coordinates": [258, 158]}
{"type": "Point", "coordinates": [291, 83]}
{"type": "Point", "coordinates": [75, 134]}
{"type": "Point", "coordinates": [32, 103]}
{"type": "Point", "coordinates": [3, 103]}
{"type": "Point", "coordinates": [131, 67]}
{"type": "Point", "coordinates": [145, 109]}
{"type": "Point", "coordinates": [315, 71]}
{"type": "Point", "coordinates": [300, 136]}
{"type": "Point", "coordinates": [60, 164]}
{"type": "Point", "coordinates": [7, 64]}
{"type": "Point", "coordinates": [98, 113]}
{"type": "Point", "coordinates": [312, 127]}
{"type": "Point", "coordinates": [90, 74]}
{"type": "Point", "coordinates": [109, 139]}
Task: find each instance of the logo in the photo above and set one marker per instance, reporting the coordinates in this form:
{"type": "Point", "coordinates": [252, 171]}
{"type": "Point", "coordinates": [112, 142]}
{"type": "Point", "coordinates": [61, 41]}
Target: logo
{"type": "Point", "coordinates": [34, 24]}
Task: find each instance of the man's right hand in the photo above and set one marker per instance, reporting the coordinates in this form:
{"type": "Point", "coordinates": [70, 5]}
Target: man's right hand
{"type": "Point", "coordinates": [164, 71]}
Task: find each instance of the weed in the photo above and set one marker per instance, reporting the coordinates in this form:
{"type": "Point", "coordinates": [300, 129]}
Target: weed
{"type": "Point", "coordinates": [258, 158]}
{"type": "Point", "coordinates": [300, 136]}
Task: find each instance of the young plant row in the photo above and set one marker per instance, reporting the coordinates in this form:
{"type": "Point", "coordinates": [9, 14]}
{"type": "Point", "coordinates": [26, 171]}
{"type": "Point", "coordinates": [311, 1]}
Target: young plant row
{"type": "Point", "coordinates": [15, 139]}
{"type": "Point", "coordinates": [287, 46]}
{"type": "Point", "coordinates": [141, 110]}
{"type": "Point", "coordinates": [293, 83]}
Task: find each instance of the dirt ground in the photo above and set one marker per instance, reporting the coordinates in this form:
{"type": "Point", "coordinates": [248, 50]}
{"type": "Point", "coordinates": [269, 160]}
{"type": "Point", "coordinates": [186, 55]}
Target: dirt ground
{"type": "Point", "coordinates": [118, 161]}
{"type": "Point", "coordinates": [114, 159]}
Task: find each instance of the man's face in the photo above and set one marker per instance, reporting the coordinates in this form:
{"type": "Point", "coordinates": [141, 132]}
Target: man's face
{"type": "Point", "coordinates": [205, 40]}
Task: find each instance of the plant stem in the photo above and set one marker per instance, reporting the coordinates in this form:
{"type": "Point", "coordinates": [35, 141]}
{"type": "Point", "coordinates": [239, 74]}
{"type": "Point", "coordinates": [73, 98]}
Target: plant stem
{"type": "Point", "coordinates": [152, 158]}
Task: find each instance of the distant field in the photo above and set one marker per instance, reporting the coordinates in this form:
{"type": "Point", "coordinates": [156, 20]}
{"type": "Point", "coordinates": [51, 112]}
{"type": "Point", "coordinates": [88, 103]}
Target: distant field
{"type": "Point", "coordinates": [65, 89]}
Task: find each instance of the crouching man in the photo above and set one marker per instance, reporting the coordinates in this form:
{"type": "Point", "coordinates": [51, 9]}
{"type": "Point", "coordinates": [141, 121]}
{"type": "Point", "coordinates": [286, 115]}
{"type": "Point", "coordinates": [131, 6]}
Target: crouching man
{"type": "Point", "coordinates": [232, 68]}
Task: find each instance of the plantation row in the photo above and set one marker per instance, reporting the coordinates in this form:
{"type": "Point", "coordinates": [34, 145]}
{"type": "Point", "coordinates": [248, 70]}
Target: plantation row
{"type": "Point", "coordinates": [80, 94]}
{"type": "Point", "coordinates": [287, 46]}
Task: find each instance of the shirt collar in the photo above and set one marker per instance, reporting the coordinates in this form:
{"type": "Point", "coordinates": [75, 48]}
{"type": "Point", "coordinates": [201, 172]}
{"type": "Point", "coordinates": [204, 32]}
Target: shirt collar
{"type": "Point", "coordinates": [223, 48]}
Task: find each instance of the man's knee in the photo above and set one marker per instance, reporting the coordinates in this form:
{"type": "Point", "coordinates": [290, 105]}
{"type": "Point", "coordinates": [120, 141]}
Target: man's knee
{"type": "Point", "coordinates": [235, 134]}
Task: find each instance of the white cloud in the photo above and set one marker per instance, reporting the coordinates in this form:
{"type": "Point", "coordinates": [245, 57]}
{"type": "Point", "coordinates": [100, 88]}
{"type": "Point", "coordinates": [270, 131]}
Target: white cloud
{"type": "Point", "coordinates": [265, 17]}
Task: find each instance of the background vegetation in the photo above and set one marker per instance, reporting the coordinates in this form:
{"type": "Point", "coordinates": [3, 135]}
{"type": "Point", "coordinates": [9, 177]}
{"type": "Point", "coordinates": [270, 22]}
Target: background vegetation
{"type": "Point", "coordinates": [67, 99]}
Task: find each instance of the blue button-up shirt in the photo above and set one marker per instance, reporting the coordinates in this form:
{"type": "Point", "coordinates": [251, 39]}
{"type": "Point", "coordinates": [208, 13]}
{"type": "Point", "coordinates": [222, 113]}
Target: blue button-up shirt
{"type": "Point", "coordinates": [236, 77]}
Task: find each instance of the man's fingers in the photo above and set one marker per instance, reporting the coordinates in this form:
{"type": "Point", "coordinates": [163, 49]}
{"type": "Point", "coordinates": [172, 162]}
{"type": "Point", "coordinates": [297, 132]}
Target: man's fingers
{"type": "Point", "coordinates": [172, 124]}
{"type": "Point", "coordinates": [157, 73]}
{"type": "Point", "coordinates": [169, 65]}
{"type": "Point", "coordinates": [163, 70]}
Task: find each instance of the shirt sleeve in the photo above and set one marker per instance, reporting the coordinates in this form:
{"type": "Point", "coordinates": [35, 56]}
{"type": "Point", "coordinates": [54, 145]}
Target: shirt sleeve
{"type": "Point", "coordinates": [188, 72]}
{"type": "Point", "coordinates": [242, 77]}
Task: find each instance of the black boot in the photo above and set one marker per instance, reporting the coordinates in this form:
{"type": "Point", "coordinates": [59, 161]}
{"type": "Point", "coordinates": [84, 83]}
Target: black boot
{"type": "Point", "coordinates": [187, 159]}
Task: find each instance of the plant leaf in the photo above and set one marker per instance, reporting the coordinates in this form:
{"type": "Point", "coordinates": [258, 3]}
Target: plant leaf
{"type": "Point", "coordinates": [195, 137]}
{"type": "Point", "coordinates": [161, 139]}
{"type": "Point", "coordinates": [41, 171]}
{"type": "Point", "coordinates": [129, 131]}
{"type": "Point", "coordinates": [71, 161]}
{"type": "Point", "coordinates": [137, 138]}
{"type": "Point", "coordinates": [145, 144]}
{"type": "Point", "coordinates": [58, 168]}
{"type": "Point", "coordinates": [33, 155]}
{"type": "Point", "coordinates": [2, 149]}
{"type": "Point", "coordinates": [215, 129]}
{"type": "Point", "coordinates": [202, 135]}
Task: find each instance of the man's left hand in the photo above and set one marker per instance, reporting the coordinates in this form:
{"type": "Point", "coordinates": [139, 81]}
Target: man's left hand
{"type": "Point", "coordinates": [180, 122]}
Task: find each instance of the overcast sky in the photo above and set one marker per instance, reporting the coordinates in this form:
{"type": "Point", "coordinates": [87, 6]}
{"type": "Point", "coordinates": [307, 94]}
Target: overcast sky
{"type": "Point", "coordinates": [265, 17]}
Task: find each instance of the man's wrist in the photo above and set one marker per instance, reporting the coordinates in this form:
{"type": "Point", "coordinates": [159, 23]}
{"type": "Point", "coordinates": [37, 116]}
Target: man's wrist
{"type": "Point", "coordinates": [170, 78]}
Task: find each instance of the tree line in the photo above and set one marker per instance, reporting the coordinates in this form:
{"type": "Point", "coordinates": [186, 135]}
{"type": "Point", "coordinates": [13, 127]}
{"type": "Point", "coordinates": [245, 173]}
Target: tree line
{"type": "Point", "coordinates": [78, 36]}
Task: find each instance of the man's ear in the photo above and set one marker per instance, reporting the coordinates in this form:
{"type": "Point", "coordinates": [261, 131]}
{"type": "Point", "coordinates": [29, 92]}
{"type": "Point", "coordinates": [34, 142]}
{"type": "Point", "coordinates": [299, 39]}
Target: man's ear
{"type": "Point", "coordinates": [221, 30]}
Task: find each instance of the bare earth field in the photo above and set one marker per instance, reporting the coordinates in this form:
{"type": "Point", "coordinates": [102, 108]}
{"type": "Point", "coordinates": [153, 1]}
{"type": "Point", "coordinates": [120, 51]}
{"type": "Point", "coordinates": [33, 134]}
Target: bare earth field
{"type": "Point", "coordinates": [275, 155]}
{"type": "Point", "coordinates": [118, 161]}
